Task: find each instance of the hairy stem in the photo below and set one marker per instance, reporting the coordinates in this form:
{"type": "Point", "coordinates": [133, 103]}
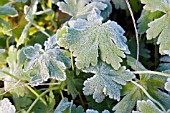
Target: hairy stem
{"type": "Point", "coordinates": [152, 72]}
{"type": "Point", "coordinates": [136, 32]}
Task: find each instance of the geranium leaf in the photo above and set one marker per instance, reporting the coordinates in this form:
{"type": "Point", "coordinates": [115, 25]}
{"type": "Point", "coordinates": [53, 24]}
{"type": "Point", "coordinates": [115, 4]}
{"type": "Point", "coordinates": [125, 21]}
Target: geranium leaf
{"type": "Point", "coordinates": [147, 107]}
{"type": "Point", "coordinates": [79, 8]}
{"type": "Point", "coordinates": [43, 65]}
{"type": "Point", "coordinates": [85, 37]}
{"type": "Point", "coordinates": [106, 81]}
{"type": "Point", "coordinates": [160, 26]}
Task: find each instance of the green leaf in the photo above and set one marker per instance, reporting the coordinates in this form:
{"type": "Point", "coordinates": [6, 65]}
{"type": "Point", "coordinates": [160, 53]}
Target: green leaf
{"type": "Point", "coordinates": [147, 107]}
{"type": "Point", "coordinates": [79, 8]}
{"type": "Point", "coordinates": [68, 107]}
{"type": "Point", "coordinates": [46, 64]}
{"type": "Point", "coordinates": [106, 81]}
{"type": "Point", "coordinates": [128, 102]}
{"type": "Point", "coordinates": [107, 104]}
{"type": "Point", "coordinates": [145, 18]}
{"type": "Point", "coordinates": [5, 27]}
{"type": "Point", "coordinates": [71, 85]}
{"type": "Point", "coordinates": [3, 56]}
{"type": "Point", "coordinates": [6, 106]}
{"type": "Point", "coordinates": [8, 11]}
{"type": "Point", "coordinates": [24, 34]}
{"type": "Point", "coordinates": [86, 37]}
{"type": "Point", "coordinates": [164, 65]}
{"type": "Point", "coordinates": [159, 27]}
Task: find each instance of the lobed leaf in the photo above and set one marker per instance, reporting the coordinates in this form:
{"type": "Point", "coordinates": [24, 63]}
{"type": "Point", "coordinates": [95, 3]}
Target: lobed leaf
{"type": "Point", "coordinates": [106, 81]}
{"type": "Point", "coordinates": [147, 107]}
{"type": "Point", "coordinates": [145, 18]}
{"type": "Point", "coordinates": [46, 64]}
{"type": "Point", "coordinates": [160, 26]}
{"type": "Point", "coordinates": [86, 37]}
{"type": "Point", "coordinates": [79, 8]}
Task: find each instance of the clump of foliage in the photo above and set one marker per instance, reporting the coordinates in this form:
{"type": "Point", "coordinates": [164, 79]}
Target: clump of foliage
{"type": "Point", "coordinates": [81, 56]}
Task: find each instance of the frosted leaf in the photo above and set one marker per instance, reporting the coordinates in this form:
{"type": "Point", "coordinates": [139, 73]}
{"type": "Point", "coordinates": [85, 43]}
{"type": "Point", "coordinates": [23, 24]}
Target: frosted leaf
{"type": "Point", "coordinates": [167, 85]}
{"type": "Point", "coordinates": [108, 10]}
{"type": "Point", "coordinates": [86, 37]}
{"type": "Point", "coordinates": [145, 18]}
{"type": "Point", "coordinates": [106, 81]}
{"type": "Point", "coordinates": [8, 11]}
{"type": "Point", "coordinates": [5, 27]}
{"type": "Point", "coordinates": [6, 106]}
{"type": "Point", "coordinates": [147, 107]}
{"type": "Point", "coordinates": [68, 107]}
{"type": "Point", "coordinates": [29, 12]}
{"type": "Point", "coordinates": [119, 4]}
{"type": "Point", "coordinates": [159, 27]}
{"type": "Point", "coordinates": [46, 64]}
{"type": "Point", "coordinates": [91, 111]}
{"type": "Point", "coordinates": [79, 8]}
{"type": "Point", "coordinates": [95, 111]}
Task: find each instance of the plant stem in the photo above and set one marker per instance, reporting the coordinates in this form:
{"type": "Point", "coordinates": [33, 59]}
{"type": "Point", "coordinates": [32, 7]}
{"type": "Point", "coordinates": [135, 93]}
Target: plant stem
{"type": "Point", "coordinates": [36, 94]}
{"type": "Point", "coordinates": [32, 90]}
{"type": "Point", "coordinates": [81, 99]}
{"type": "Point", "coordinates": [147, 94]}
{"type": "Point", "coordinates": [36, 100]}
{"type": "Point", "coordinates": [62, 96]}
{"type": "Point", "coordinates": [136, 33]}
{"type": "Point", "coordinates": [152, 72]}
{"type": "Point", "coordinates": [72, 63]}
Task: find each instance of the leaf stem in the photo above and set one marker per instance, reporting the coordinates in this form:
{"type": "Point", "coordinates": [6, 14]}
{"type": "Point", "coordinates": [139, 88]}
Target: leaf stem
{"type": "Point", "coordinates": [136, 33]}
{"type": "Point", "coordinates": [72, 63]}
{"type": "Point", "coordinates": [152, 72]}
{"type": "Point", "coordinates": [36, 94]}
{"type": "Point", "coordinates": [148, 95]}
{"type": "Point", "coordinates": [42, 94]}
{"type": "Point", "coordinates": [62, 96]}
{"type": "Point", "coordinates": [81, 99]}
{"type": "Point", "coordinates": [32, 90]}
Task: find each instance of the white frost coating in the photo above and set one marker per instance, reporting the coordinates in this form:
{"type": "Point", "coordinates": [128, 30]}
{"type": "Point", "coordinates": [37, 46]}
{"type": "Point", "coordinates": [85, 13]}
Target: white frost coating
{"type": "Point", "coordinates": [167, 85]}
{"type": "Point", "coordinates": [87, 37]}
{"type": "Point", "coordinates": [80, 8]}
{"type": "Point", "coordinates": [105, 82]}
{"type": "Point", "coordinates": [6, 106]}
{"type": "Point", "coordinates": [46, 64]}
{"type": "Point", "coordinates": [91, 111]}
